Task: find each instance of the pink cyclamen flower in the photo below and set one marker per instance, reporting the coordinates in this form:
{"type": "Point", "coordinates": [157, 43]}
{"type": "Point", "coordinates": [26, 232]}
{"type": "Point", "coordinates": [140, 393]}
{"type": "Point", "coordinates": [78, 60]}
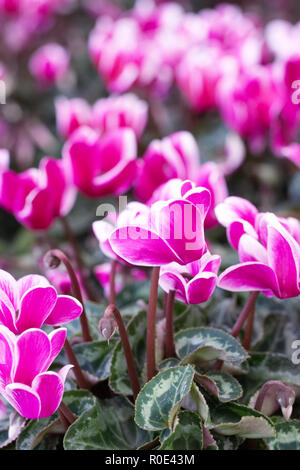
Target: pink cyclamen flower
{"type": "Point", "coordinates": [25, 381]}
{"type": "Point", "coordinates": [175, 156]}
{"type": "Point", "coordinates": [102, 165]}
{"type": "Point", "coordinates": [71, 114]}
{"type": "Point", "coordinates": [31, 302]}
{"type": "Point", "coordinates": [271, 265]}
{"type": "Point", "coordinates": [193, 283]}
{"type": "Point", "coordinates": [49, 64]}
{"type": "Point", "coordinates": [37, 197]}
{"type": "Point", "coordinates": [4, 159]}
{"type": "Point", "coordinates": [167, 231]}
{"type": "Point", "coordinates": [116, 112]}
{"type": "Point", "coordinates": [102, 273]}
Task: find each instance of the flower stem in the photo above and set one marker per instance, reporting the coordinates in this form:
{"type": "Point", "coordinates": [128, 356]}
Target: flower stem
{"type": "Point", "coordinates": [77, 257]}
{"type": "Point", "coordinates": [247, 311]}
{"type": "Point", "coordinates": [53, 258]}
{"type": "Point", "coordinates": [249, 326]}
{"type": "Point", "coordinates": [112, 277]}
{"type": "Point", "coordinates": [113, 311]}
{"type": "Point", "coordinates": [65, 415]}
{"type": "Point", "coordinates": [170, 344]}
{"type": "Point", "coordinates": [151, 323]}
{"type": "Point", "coordinates": [81, 381]}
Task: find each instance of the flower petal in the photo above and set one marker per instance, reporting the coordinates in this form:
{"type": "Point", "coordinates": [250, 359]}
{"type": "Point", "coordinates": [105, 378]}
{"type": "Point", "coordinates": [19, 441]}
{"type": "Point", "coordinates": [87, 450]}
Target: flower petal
{"type": "Point", "coordinates": [57, 340]}
{"type": "Point", "coordinates": [284, 258]}
{"type": "Point", "coordinates": [31, 280]}
{"type": "Point", "coordinates": [201, 287]}
{"type": "Point", "coordinates": [25, 400]}
{"type": "Point", "coordinates": [49, 387]}
{"type": "Point", "coordinates": [35, 306]}
{"type": "Point", "coordinates": [141, 246]}
{"type": "Point", "coordinates": [8, 285]}
{"type": "Point", "coordinates": [250, 276]}
{"type": "Point", "coordinates": [34, 349]}
{"type": "Point", "coordinates": [65, 309]}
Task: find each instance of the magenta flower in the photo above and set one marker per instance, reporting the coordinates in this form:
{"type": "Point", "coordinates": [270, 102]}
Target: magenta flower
{"type": "Point", "coordinates": [31, 302]}
{"type": "Point", "coordinates": [49, 64]}
{"type": "Point", "coordinates": [102, 165]}
{"type": "Point", "coordinates": [4, 159]}
{"type": "Point", "coordinates": [24, 380]}
{"type": "Point", "coordinates": [271, 266]}
{"type": "Point", "coordinates": [116, 112]}
{"type": "Point", "coordinates": [37, 197]}
{"type": "Point", "coordinates": [71, 114]}
{"type": "Point", "coordinates": [165, 232]}
{"type": "Point", "coordinates": [175, 156]}
{"type": "Point", "coordinates": [193, 283]}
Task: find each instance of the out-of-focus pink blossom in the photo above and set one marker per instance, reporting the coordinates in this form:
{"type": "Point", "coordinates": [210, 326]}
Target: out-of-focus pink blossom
{"type": "Point", "coordinates": [37, 197]}
{"type": "Point", "coordinates": [175, 156]}
{"type": "Point", "coordinates": [102, 273]}
{"type": "Point", "coordinates": [167, 231]}
{"type": "Point", "coordinates": [247, 104]}
{"type": "Point", "coordinates": [102, 165]}
{"type": "Point", "coordinates": [71, 114]}
{"type": "Point", "coordinates": [116, 112]}
{"type": "Point", "coordinates": [31, 302]}
{"type": "Point", "coordinates": [193, 283]}
{"type": "Point", "coordinates": [49, 64]}
{"type": "Point", "coordinates": [24, 378]}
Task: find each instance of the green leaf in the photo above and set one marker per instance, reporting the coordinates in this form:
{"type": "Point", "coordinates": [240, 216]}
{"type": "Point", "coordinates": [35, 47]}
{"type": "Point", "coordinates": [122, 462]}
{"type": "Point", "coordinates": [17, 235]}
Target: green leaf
{"type": "Point", "coordinates": [95, 357]}
{"type": "Point", "coordinates": [232, 419]}
{"type": "Point", "coordinates": [201, 345]}
{"type": "Point", "coordinates": [287, 436]}
{"type": "Point", "coordinates": [77, 400]}
{"type": "Point", "coordinates": [228, 442]}
{"type": "Point", "coordinates": [131, 295]}
{"type": "Point", "coordinates": [136, 330]}
{"type": "Point", "coordinates": [187, 434]}
{"type": "Point", "coordinates": [160, 399]}
{"type": "Point", "coordinates": [223, 386]}
{"type": "Point", "coordinates": [108, 425]}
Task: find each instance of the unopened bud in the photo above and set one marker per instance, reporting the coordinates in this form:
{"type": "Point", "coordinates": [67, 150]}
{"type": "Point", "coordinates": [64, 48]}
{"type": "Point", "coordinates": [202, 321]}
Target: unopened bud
{"type": "Point", "coordinates": [51, 261]}
{"type": "Point", "coordinates": [107, 327]}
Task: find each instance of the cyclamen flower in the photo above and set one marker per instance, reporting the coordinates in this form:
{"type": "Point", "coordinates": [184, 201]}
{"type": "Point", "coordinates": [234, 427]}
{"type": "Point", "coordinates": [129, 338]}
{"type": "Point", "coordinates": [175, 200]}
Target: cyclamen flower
{"type": "Point", "coordinates": [167, 231]}
{"type": "Point", "coordinates": [25, 381]}
{"type": "Point", "coordinates": [193, 283]}
{"type": "Point", "coordinates": [37, 197]}
{"type": "Point", "coordinates": [116, 112]}
{"type": "Point", "coordinates": [102, 273]}
{"type": "Point", "coordinates": [71, 114]}
{"type": "Point", "coordinates": [49, 64]}
{"type": "Point", "coordinates": [31, 302]}
{"type": "Point", "coordinates": [102, 165]}
{"type": "Point", "coordinates": [175, 156]}
{"type": "Point", "coordinates": [271, 266]}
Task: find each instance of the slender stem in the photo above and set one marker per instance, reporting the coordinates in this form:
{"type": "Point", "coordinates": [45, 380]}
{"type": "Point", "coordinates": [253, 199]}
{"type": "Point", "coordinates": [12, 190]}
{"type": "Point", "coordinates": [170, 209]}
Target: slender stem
{"type": "Point", "coordinates": [77, 257]}
{"type": "Point", "coordinates": [65, 423]}
{"type": "Point", "coordinates": [53, 258]}
{"type": "Point", "coordinates": [110, 311]}
{"type": "Point", "coordinates": [249, 326]}
{"type": "Point", "coordinates": [151, 323]}
{"type": "Point", "coordinates": [112, 277]}
{"type": "Point", "coordinates": [170, 344]}
{"type": "Point", "coordinates": [248, 308]}
{"type": "Point", "coordinates": [65, 410]}
{"type": "Point", "coordinates": [81, 381]}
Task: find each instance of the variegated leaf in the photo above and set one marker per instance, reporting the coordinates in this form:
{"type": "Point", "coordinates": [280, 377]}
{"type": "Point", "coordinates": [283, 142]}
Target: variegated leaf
{"type": "Point", "coordinates": [187, 434]}
{"type": "Point", "coordinates": [158, 402]}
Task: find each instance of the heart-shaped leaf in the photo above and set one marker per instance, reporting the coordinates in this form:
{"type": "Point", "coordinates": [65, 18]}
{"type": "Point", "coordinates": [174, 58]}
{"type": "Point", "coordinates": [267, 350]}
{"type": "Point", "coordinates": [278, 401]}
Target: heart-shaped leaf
{"type": "Point", "coordinates": [108, 425]}
{"type": "Point", "coordinates": [158, 402]}
{"type": "Point", "coordinates": [223, 386]}
{"type": "Point", "coordinates": [232, 419]}
{"type": "Point", "coordinates": [202, 345]}
{"type": "Point", "coordinates": [95, 357]}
